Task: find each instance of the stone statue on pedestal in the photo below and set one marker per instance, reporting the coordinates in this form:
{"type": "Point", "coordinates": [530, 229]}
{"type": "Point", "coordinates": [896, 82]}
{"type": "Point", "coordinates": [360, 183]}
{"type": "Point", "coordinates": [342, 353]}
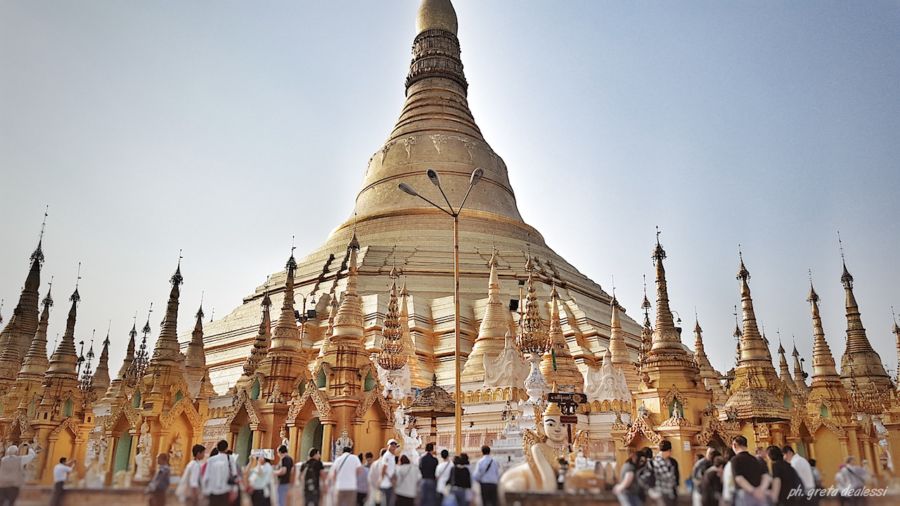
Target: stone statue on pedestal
{"type": "Point", "coordinates": [341, 442]}
{"type": "Point", "coordinates": [543, 450]}
{"type": "Point", "coordinates": [143, 461]}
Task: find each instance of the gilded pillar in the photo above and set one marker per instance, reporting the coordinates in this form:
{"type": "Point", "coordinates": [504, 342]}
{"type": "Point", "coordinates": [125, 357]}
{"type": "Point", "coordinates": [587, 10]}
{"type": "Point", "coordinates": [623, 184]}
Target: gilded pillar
{"type": "Point", "coordinates": [327, 437]}
{"type": "Point", "coordinates": [294, 435]}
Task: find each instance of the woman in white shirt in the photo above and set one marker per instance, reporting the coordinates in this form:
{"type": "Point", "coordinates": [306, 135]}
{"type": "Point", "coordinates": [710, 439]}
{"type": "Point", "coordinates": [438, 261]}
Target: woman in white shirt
{"type": "Point", "coordinates": [407, 483]}
{"type": "Point", "coordinates": [260, 481]}
{"type": "Point", "coordinates": [442, 474]}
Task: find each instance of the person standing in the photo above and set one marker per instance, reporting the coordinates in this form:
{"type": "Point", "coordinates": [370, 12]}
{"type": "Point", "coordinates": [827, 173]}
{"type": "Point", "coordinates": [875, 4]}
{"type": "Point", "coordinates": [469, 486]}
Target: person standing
{"type": "Point", "coordinates": [850, 481]}
{"type": "Point", "coordinates": [804, 470]}
{"type": "Point", "coordinates": [711, 483]}
{"type": "Point", "coordinates": [697, 473]}
{"type": "Point", "coordinates": [750, 477]}
{"type": "Point", "coordinates": [12, 473]}
{"type": "Point", "coordinates": [159, 485]}
{"type": "Point", "coordinates": [407, 483]}
{"type": "Point", "coordinates": [665, 472]}
{"type": "Point", "coordinates": [260, 481]}
{"type": "Point", "coordinates": [188, 490]}
{"type": "Point", "coordinates": [442, 474]}
{"type": "Point", "coordinates": [284, 474]}
{"type": "Point", "coordinates": [362, 479]}
{"type": "Point", "coordinates": [787, 487]}
{"type": "Point", "coordinates": [375, 498]}
{"type": "Point", "coordinates": [388, 473]}
{"type": "Point", "coordinates": [343, 475]}
{"type": "Point", "coordinates": [487, 474]}
{"type": "Point", "coordinates": [628, 490]}
{"type": "Point", "coordinates": [312, 471]}
{"type": "Point", "coordinates": [428, 467]}
{"type": "Point", "coordinates": [728, 485]}
{"type": "Point", "coordinates": [60, 475]}
{"type": "Point", "coordinates": [460, 480]}
{"type": "Point", "coordinates": [219, 477]}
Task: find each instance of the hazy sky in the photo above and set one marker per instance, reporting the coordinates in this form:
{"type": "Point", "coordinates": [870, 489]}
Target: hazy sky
{"type": "Point", "coordinates": [225, 127]}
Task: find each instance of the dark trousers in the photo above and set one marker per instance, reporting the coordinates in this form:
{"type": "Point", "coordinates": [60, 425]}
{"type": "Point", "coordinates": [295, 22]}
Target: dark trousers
{"type": "Point", "coordinates": [387, 497]}
{"type": "Point", "coordinates": [361, 498]}
{"type": "Point", "coordinates": [218, 500]}
{"type": "Point", "coordinates": [258, 498]}
{"type": "Point", "coordinates": [429, 492]}
{"type": "Point", "coordinates": [311, 497]}
{"type": "Point", "coordinates": [489, 494]}
{"type": "Point", "coordinates": [56, 498]}
{"type": "Point", "coordinates": [8, 496]}
{"type": "Point", "coordinates": [158, 498]}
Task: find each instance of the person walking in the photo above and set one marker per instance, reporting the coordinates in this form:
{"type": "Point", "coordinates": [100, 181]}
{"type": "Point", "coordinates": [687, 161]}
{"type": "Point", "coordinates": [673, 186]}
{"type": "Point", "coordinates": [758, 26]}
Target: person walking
{"type": "Point", "coordinates": [442, 474]}
{"type": "Point", "coordinates": [188, 490]}
{"type": "Point", "coordinates": [342, 477]}
{"type": "Point", "coordinates": [700, 467]}
{"type": "Point", "coordinates": [388, 473]}
{"type": "Point", "coordinates": [219, 477]}
{"type": "Point", "coordinates": [461, 480]}
{"type": "Point", "coordinates": [60, 475]}
{"type": "Point", "coordinates": [362, 479]}
{"type": "Point", "coordinates": [803, 468]}
{"type": "Point", "coordinates": [850, 481]}
{"type": "Point", "coordinates": [428, 464]}
{"type": "Point", "coordinates": [750, 477]}
{"type": "Point", "coordinates": [407, 483]}
{"type": "Point", "coordinates": [312, 471]}
{"type": "Point", "coordinates": [375, 498]}
{"type": "Point", "coordinates": [284, 473]}
{"type": "Point", "coordinates": [260, 480]}
{"type": "Point", "coordinates": [12, 473]}
{"type": "Point", "coordinates": [665, 472]}
{"type": "Point", "coordinates": [787, 487]}
{"type": "Point", "coordinates": [159, 485]}
{"type": "Point", "coordinates": [628, 489]}
{"type": "Point", "coordinates": [487, 474]}
{"type": "Point", "coordinates": [728, 485]}
{"type": "Point", "coordinates": [711, 483]}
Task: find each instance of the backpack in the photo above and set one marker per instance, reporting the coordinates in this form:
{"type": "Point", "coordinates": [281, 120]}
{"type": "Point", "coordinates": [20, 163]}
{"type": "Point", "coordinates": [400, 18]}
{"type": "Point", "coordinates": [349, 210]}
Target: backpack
{"type": "Point", "coordinates": [646, 478]}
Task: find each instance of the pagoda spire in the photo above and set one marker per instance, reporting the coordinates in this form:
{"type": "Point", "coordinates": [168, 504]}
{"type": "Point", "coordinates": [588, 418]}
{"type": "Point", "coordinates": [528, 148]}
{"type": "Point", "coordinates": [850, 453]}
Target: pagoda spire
{"type": "Point", "coordinates": [646, 329]}
{"type": "Point", "coordinates": [286, 334]}
{"type": "Point", "coordinates": [167, 352]}
{"type": "Point", "coordinates": [860, 363]}
{"type": "Point", "coordinates": [754, 350]}
{"type": "Point", "coordinates": [16, 337]}
{"type": "Point", "coordinates": [64, 361]}
{"type": "Point", "coordinates": [491, 333]}
{"type": "Point", "coordinates": [115, 386]}
{"type": "Point", "coordinates": [100, 382]}
{"type": "Point", "coordinates": [329, 329]}
{"type": "Point", "coordinates": [896, 331]}
{"type": "Point", "coordinates": [557, 364]}
{"type": "Point", "coordinates": [665, 335]}
{"type": "Point", "coordinates": [348, 324]}
{"type": "Point", "coordinates": [784, 370]}
{"type": "Point", "coordinates": [35, 364]}
{"type": "Point", "coordinates": [799, 373]}
{"type": "Point", "coordinates": [263, 337]}
{"type": "Point", "coordinates": [409, 346]}
{"type": "Point", "coordinates": [618, 350]}
{"type": "Point", "coordinates": [711, 377]}
{"type": "Point", "coordinates": [195, 357]}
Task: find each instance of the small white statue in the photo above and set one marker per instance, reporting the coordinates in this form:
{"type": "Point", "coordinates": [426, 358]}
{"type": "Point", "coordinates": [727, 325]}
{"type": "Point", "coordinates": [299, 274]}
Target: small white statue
{"type": "Point", "coordinates": [343, 441]}
{"type": "Point", "coordinates": [143, 461]}
{"type": "Point", "coordinates": [177, 452]}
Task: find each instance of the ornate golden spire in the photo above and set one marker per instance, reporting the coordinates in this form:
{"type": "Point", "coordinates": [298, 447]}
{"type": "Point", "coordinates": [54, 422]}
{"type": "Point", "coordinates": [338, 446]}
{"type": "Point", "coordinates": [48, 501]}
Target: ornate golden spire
{"type": "Point", "coordinates": [392, 356]}
{"type": "Point", "coordinates": [494, 326]}
{"type": "Point", "coordinates": [753, 347]}
{"type": "Point", "coordinates": [618, 350]}
{"type": "Point", "coordinates": [286, 335]}
{"type": "Point", "coordinates": [263, 338]}
{"type": "Point", "coordinates": [35, 364]}
{"type": "Point", "coordinates": [897, 334]}
{"type": "Point", "coordinates": [785, 371]}
{"type": "Point", "coordinates": [329, 330]}
{"type": "Point", "coordinates": [665, 335]}
{"type": "Point", "coordinates": [64, 361]}
{"type": "Point", "coordinates": [409, 346]}
{"type": "Point", "coordinates": [195, 357]}
{"type": "Point", "coordinates": [167, 352]}
{"type": "Point", "coordinates": [860, 362]}
{"type": "Point", "coordinates": [16, 337]}
{"type": "Point", "coordinates": [557, 364]}
{"type": "Point", "coordinates": [349, 320]}
{"type": "Point", "coordinates": [532, 336]}
{"type": "Point", "coordinates": [799, 373]}
{"type": "Point", "coordinates": [100, 381]}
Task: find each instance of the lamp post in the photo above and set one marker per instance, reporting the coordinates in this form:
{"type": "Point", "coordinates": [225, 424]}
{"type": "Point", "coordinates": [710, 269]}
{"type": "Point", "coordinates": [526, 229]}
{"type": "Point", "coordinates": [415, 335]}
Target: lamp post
{"type": "Point", "coordinates": [476, 176]}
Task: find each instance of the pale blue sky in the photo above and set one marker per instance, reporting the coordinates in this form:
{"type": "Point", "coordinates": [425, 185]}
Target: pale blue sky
{"type": "Point", "coordinates": [225, 127]}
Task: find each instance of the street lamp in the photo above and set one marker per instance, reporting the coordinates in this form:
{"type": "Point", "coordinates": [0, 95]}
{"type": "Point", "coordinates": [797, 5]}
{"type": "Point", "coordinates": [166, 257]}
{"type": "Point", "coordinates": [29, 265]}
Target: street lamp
{"type": "Point", "coordinates": [476, 176]}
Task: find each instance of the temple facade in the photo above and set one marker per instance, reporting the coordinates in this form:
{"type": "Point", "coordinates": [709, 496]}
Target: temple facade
{"type": "Point", "coordinates": [362, 342]}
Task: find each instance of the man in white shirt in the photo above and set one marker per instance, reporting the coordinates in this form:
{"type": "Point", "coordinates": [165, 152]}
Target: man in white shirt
{"type": "Point", "coordinates": [342, 476]}
{"type": "Point", "coordinates": [388, 472]}
{"type": "Point", "coordinates": [219, 472]}
{"type": "Point", "coordinates": [60, 475]}
{"type": "Point", "coordinates": [801, 465]}
{"type": "Point", "coordinates": [189, 486]}
{"type": "Point", "coordinates": [487, 474]}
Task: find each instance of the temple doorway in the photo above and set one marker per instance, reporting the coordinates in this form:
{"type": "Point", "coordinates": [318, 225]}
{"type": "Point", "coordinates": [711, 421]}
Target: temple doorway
{"type": "Point", "coordinates": [123, 453]}
{"type": "Point", "coordinates": [243, 442]}
{"type": "Point", "coordinates": [311, 438]}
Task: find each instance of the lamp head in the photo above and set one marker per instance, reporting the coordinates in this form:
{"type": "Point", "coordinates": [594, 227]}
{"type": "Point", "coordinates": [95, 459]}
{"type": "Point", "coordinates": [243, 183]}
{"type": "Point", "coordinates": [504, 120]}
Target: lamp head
{"type": "Point", "coordinates": [476, 176]}
{"type": "Point", "coordinates": [407, 189]}
{"type": "Point", "coordinates": [433, 176]}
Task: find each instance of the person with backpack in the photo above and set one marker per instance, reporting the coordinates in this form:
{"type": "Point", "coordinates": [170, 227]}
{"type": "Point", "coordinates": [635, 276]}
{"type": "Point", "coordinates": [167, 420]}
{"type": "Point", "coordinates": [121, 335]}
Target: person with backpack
{"type": "Point", "coordinates": [487, 474]}
{"type": "Point", "coordinates": [159, 485]}
{"type": "Point", "coordinates": [628, 490]}
{"type": "Point", "coordinates": [645, 478]}
{"type": "Point", "coordinates": [700, 467]}
{"type": "Point", "coordinates": [711, 484]}
{"type": "Point", "coordinates": [312, 471]}
{"type": "Point", "coordinates": [460, 480]}
{"type": "Point", "coordinates": [220, 477]}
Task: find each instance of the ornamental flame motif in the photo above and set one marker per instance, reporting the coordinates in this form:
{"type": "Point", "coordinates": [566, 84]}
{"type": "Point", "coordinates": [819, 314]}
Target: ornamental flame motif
{"type": "Point", "coordinates": [392, 357]}
{"type": "Point", "coordinates": [532, 335]}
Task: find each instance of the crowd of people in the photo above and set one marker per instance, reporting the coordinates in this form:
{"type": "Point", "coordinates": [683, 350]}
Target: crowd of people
{"type": "Point", "coordinates": [351, 480]}
{"type": "Point", "coordinates": [773, 476]}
